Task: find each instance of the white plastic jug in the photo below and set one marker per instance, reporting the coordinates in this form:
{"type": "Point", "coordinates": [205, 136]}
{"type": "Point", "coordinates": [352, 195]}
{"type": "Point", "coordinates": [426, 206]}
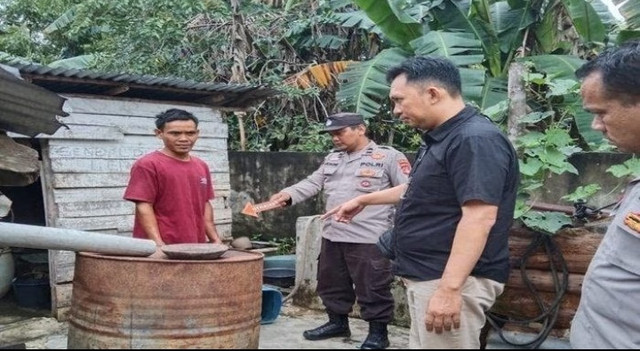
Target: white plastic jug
{"type": "Point", "coordinates": [7, 270]}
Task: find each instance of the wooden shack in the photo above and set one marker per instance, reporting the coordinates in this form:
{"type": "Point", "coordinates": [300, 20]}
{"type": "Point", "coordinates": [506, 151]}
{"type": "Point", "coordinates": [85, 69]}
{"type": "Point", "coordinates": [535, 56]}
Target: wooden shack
{"type": "Point", "coordinates": [85, 167]}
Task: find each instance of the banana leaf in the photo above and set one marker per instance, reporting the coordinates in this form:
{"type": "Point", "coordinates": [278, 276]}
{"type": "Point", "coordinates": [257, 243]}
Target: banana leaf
{"type": "Point", "coordinates": [461, 48]}
{"type": "Point", "coordinates": [493, 92]}
{"type": "Point", "coordinates": [547, 32]}
{"type": "Point", "coordinates": [380, 12]}
{"type": "Point", "coordinates": [583, 121]}
{"type": "Point", "coordinates": [357, 18]}
{"type": "Point", "coordinates": [625, 35]}
{"type": "Point", "coordinates": [556, 66]}
{"type": "Point", "coordinates": [630, 10]}
{"type": "Point", "coordinates": [63, 21]}
{"type": "Point", "coordinates": [510, 24]}
{"type": "Point", "coordinates": [409, 11]}
{"type": "Point", "coordinates": [604, 13]}
{"type": "Point", "coordinates": [459, 16]}
{"type": "Point", "coordinates": [364, 86]}
{"type": "Point", "coordinates": [464, 50]}
{"type": "Point", "coordinates": [585, 20]}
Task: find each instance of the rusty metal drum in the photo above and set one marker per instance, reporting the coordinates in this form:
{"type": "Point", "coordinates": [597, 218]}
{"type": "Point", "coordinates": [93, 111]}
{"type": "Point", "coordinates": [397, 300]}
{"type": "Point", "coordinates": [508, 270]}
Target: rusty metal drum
{"type": "Point", "coordinates": [133, 302]}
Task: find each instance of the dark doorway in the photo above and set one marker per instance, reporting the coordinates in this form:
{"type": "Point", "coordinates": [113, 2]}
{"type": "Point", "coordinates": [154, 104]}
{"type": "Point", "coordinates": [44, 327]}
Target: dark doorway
{"type": "Point", "coordinates": [30, 265]}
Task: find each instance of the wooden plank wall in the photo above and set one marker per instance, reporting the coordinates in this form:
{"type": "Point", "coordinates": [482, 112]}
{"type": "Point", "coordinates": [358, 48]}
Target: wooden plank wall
{"type": "Point", "coordinates": [86, 169]}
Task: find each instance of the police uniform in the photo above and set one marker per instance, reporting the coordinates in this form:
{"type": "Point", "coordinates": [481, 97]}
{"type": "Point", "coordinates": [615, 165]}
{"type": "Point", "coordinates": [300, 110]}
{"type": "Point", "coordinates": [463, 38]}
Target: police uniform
{"type": "Point", "coordinates": [349, 255]}
{"type": "Point", "coordinates": [607, 317]}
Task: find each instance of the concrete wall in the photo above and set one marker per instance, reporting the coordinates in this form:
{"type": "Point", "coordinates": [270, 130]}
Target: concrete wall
{"type": "Point", "coordinates": [592, 169]}
{"type": "Point", "coordinates": [257, 175]}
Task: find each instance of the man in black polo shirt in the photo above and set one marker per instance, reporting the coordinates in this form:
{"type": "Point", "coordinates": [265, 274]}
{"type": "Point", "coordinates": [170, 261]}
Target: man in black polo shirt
{"type": "Point", "coordinates": [451, 227]}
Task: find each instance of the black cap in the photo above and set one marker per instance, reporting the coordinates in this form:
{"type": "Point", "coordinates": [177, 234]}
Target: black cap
{"type": "Point", "coordinates": [342, 120]}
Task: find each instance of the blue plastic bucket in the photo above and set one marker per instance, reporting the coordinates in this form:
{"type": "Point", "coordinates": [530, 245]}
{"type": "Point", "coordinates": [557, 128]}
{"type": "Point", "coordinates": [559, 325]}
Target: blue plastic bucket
{"type": "Point", "coordinates": [280, 261]}
{"type": "Point", "coordinates": [271, 304]}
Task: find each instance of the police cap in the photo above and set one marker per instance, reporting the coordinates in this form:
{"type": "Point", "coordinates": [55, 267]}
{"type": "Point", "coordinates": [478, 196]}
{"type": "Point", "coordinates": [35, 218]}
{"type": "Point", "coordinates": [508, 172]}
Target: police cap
{"type": "Point", "coordinates": [341, 120]}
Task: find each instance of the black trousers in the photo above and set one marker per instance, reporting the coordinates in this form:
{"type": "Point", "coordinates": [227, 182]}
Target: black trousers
{"type": "Point", "coordinates": [347, 271]}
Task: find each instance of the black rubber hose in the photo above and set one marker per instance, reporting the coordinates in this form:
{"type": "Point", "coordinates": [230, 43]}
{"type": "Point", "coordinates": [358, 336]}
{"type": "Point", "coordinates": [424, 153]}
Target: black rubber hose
{"type": "Point", "coordinates": [548, 315]}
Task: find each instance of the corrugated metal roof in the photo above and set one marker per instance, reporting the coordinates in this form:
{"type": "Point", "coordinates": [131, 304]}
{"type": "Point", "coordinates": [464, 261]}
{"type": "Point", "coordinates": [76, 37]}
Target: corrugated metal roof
{"type": "Point", "coordinates": [26, 108]}
{"type": "Point", "coordinates": [74, 81]}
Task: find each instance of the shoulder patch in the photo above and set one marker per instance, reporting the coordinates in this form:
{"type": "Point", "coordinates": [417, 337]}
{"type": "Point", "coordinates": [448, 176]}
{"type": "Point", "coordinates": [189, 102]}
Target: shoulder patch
{"type": "Point", "coordinates": [334, 156]}
{"type": "Point", "coordinates": [405, 165]}
{"type": "Point", "coordinates": [632, 220]}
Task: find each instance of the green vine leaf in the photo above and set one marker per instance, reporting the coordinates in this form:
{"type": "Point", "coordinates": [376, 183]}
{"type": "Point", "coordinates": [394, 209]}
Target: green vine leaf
{"type": "Point", "coordinates": [535, 117]}
{"type": "Point", "coordinates": [530, 166]}
{"type": "Point", "coordinates": [582, 193]}
{"type": "Point", "coordinates": [546, 222]}
{"type": "Point", "coordinates": [561, 87]}
{"type": "Point", "coordinates": [630, 167]}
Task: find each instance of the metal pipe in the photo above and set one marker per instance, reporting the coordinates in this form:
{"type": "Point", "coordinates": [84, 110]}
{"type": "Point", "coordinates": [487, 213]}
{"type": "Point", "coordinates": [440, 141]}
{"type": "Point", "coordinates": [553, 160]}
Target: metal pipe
{"type": "Point", "coordinates": [551, 207]}
{"type": "Point", "coordinates": [38, 237]}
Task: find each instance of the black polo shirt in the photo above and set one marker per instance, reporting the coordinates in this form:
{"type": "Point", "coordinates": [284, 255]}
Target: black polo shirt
{"type": "Point", "coordinates": [465, 158]}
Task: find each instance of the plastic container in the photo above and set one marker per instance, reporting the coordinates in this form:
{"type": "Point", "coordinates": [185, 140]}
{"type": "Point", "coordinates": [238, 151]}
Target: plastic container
{"type": "Point", "coordinates": [7, 270]}
{"type": "Point", "coordinates": [32, 292]}
{"type": "Point", "coordinates": [271, 304]}
{"type": "Point", "coordinates": [280, 261]}
{"type": "Point", "coordinates": [282, 277]}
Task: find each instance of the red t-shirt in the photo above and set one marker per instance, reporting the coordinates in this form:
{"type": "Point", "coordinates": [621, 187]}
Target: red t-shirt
{"type": "Point", "coordinates": [178, 191]}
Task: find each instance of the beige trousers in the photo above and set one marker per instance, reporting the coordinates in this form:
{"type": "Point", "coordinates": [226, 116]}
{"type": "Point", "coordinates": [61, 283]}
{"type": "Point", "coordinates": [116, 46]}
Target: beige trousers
{"type": "Point", "coordinates": [478, 295]}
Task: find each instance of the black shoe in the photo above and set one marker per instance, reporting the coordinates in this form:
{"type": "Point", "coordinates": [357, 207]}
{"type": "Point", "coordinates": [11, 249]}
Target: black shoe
{"type": "Point", "coordinates": [377, 338]}
{"type": "Point", "coordinates": [338, 325]}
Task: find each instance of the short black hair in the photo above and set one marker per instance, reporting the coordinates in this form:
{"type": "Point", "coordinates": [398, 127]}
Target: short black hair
{"type": "Point", "coordinates": [429, 69]}
{"type": "Point", "coordinates": [620, 69]}
{"type": "Point", "coordinates": [174, 114]}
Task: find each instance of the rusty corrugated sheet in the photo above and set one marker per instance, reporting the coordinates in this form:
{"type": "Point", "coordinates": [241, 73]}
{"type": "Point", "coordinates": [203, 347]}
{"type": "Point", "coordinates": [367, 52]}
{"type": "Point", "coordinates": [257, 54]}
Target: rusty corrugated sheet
{"type": "Point", "coordinates": [74, 81]}
{"type": "Point", "coordinates": [26, 108]}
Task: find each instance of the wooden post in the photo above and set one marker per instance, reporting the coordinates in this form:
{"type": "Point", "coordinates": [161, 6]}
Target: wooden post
{"type": "Point", "coordinates": [517, 100]}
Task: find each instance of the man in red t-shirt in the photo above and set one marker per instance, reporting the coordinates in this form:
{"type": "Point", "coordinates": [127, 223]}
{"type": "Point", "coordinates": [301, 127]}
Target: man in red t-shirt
{"type": "Point", "coordinates": [171, 188]}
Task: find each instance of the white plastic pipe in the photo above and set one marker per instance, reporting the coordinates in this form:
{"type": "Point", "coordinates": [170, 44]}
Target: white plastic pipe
{"type": "Point", "coordinates": [37, 237]}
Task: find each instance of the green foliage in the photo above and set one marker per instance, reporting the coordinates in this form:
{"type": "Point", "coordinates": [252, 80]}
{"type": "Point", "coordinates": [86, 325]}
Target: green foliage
{"type": "Point", "coordinates": [582, 193]}
{"type": "Point", "coordinates": [21, 26]}
{"type": "Point", "coordinates": [282, 132]}
{"type": "Point", "coordinates": [629, 168]}
{"type": "Point", "coordinates": [549, 139]}
{"type": "Point", "coordinates": [585, 20]}
{"type": "Point", "coordinates": [285, 246]}
{"type": "Point", "coordinates": [546, 222]}
{"type": "Point", "coordinates": [364, 85]}
{"type": "Point", "coordinates": [396, 24]}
